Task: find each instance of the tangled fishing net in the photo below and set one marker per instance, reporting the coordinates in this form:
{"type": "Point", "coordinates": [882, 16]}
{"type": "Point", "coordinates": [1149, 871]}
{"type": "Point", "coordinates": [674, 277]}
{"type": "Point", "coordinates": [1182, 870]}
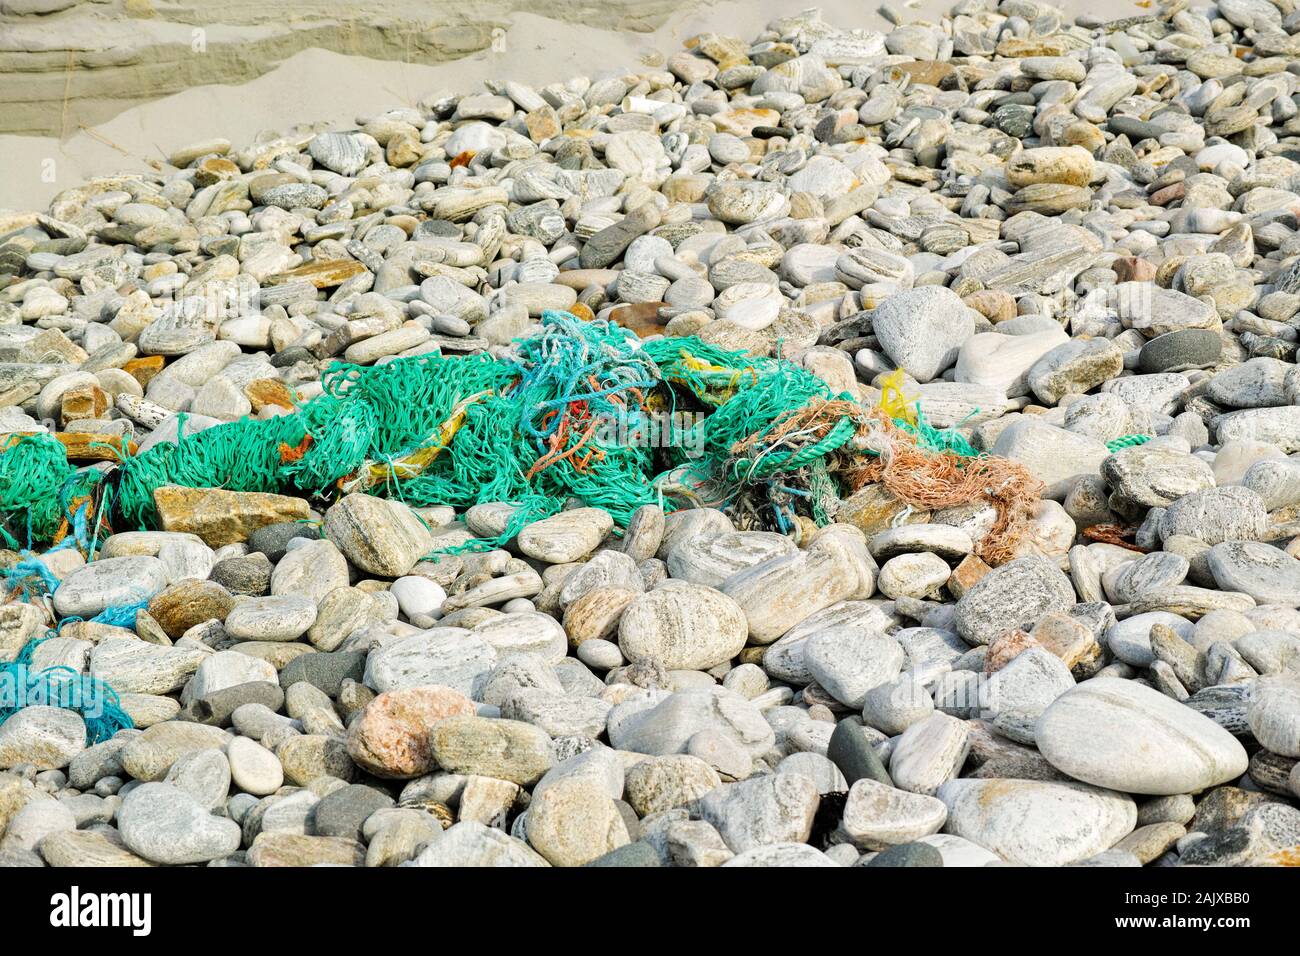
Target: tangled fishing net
{"type": "Point", "coordinates": [583, 410]}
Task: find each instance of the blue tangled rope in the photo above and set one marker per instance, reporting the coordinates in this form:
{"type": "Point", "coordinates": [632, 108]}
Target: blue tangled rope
{"type": "Point", "coordinates": [60, 686]}
{"type": "Point", "coordinates": [95, 700]}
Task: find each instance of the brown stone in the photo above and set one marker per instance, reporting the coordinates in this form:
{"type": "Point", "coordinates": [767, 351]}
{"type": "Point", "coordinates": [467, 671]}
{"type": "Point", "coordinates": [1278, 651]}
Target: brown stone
{"type": "Point", "coordinates": [1173, 193]}
{"type": "Point", "coordinates": [1005, 648]}
{"type": "Point", "coordinates": [403, 151]}
{"type": "Point", "coordinates": [144, 369]}
{"type": "Point", "coordinates": [686, 187]}
{"type": "Point", "coordinates": [873, 508]}
{"type": "Point", "coordinates": [579, 279]}
{"type": "Point", "coordinates": [262, 392]}
{"type": "Point", "coordinates": [741, 122]}
{"type": "Point", "coordinates": [1150, 842]}
{"type": "Point", "coordinates": [1071, 640]}
{"type": "Point", "coordinates": [1037, 46]}
{"type": "Point", "coordinates": [222, 517]}
{"type": "Point", "coordinates": [391, 737]}
{"type": "Point", "coordinates": [720, 48]}
{"type": "Point", "coordinates": [18, 394]}
{"type": "Point", "coordinates": [51, 345]}
{"type": "Point", "coordinates": [310, 756]}
{"type": "Point", "coordinates": [149, 630]}
{"type": "Point", "coordinates": [295, 849]}
{"type": "Point", "coordinates": [13, 221]}
{"type": "Point", "coordinates": [596, 614]}
{"type": "Point", "coordinates": [84, 401]}
{"type": "Point", "coordinates": [180, 606]}
{"type": "Point", "coordinates": [214, 169]}
{"type": "Point", "coordinates": [92, 631]}
{"type": "Point", "coordinates": [1133, 269]}
{"type": "Point", "coordinates": [322, 275]}
{"type": "Point", "coordinates": [641, 317]}
{"type": "Point", "coordinates": [276, 653]}
{"type": "Point", "coordinates": [404, 222]}
{"type": "Point", "coordinates": [966, 574]}
{"type": "Point", "coordinates": [505, 749]}
{"type": "Point", "coordinates": [88, 446]}
{"type": "Point", "coordinates": [926, 72]}
{"type": "Point", "coordinates": [1082, 134]}
{"type": "Point", "coordinates": [542, 124]}
{"type": "Point", "coordinates": [994, 304]}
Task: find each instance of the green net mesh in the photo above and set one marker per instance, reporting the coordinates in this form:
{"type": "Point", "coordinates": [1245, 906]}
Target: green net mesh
{"type": "Point", "coordinates": [565, 416]}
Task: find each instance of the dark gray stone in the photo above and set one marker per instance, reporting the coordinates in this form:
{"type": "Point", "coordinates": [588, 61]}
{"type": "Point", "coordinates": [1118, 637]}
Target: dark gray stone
{"type": "Point", "coordinates": [1226, 705]}
{"type": "Point", "coordinates": [1014, 120]}
{"type": "Point", "coordinates": [325, 671]}
{"type": "Point", "coordinates": [342, 813]}
{"type": "Point", "coordinates": [249, 574]}
{"type": "Point", "coordinates": [851, 751]}
{"type": "Point", "coordinates": [1134, 128]}
{"type": "Point", "coordinates": [273, 539]}
{"type": "Point", "coordinates": [215, 708]}
{"type": "Point", "coordinates": [292, 356]}
{"type": "Point", "coordinates": [907, 854]}
{"type": "Point", "coordinates": [1180, 350]}
{"type": "Point", "coordinates": [1266, 835]}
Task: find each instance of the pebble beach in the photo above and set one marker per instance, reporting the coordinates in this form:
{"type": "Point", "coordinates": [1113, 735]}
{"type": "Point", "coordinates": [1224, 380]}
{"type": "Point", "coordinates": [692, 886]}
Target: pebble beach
{"type": "Point", "coordinates": [967, 533]}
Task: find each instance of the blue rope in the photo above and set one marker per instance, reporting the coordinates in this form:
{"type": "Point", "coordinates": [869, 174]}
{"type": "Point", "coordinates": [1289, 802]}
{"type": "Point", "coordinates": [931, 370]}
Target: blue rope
{"type": "Point", "coordinates": [30, 577]}
{"type": "Point", "coordinates": [97, 703]}
{"type": "Point", "coordinates": [564, 359]}
{"type": "Point", "coordinates": [120, 615]}
{"type": "Point", "coordinates": [123, 615]}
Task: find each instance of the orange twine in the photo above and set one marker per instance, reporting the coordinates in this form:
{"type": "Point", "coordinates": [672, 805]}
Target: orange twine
{"type": "Point", "coordinates": [295, 452]}
{"type": "Point", "coordinates": [930, 480]}
{"type": "Point", "coordinates": [579, 411]}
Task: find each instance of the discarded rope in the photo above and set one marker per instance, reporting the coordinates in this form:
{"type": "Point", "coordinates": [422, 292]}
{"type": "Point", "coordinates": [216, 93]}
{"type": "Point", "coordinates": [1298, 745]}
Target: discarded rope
{"type": "Point", "coordinates": [929, 480]}
{"type": "Point", "coordinates": [97, 703]}
{"type": "Point", "coordinates": [583, 410]}
{"type": "Point", "coordinates": [1127, 441]}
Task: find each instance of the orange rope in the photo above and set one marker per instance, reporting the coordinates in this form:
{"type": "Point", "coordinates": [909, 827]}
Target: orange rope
{"type": "Point", "coordinates": [288, 453]}
{"type": "Point", "coordinates": [553, 457]}
{"type": "Point", "coordinates": [930, 480]}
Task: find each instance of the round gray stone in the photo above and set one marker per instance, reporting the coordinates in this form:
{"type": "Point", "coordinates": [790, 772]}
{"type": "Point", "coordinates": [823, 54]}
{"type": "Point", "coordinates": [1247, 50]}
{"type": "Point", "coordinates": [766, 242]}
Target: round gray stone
{"type": "Point", "coordinates": [1180, 350]}
{"type": "Point", "coordinates": [1266, 573]}
{"type": "Point", "coordinates": [1125, 736]}
{"type": "Point", "coordinates": [164, 824]}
